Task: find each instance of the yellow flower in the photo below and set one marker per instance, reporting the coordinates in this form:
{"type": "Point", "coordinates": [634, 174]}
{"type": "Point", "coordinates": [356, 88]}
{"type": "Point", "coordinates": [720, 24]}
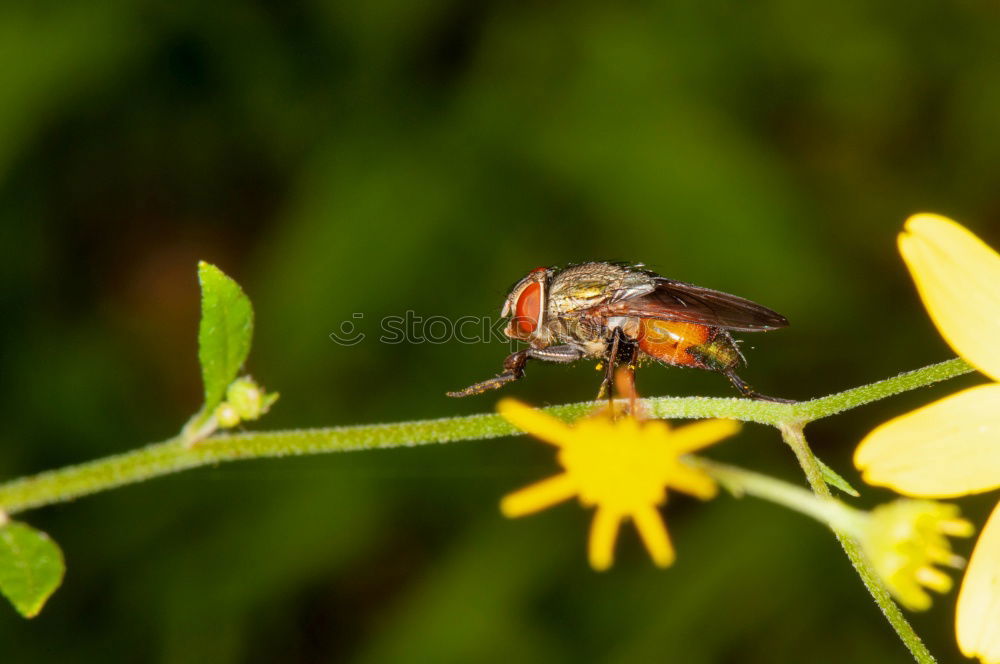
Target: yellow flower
{"type": "Point", "coordinates": [905, 539]}
{"type": "Point", "coordinates": [622, 466]}
{"type": "Point", "coordinates": [952, 447]}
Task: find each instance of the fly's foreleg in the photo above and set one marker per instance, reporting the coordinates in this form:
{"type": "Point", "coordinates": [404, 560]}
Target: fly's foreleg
{"type": "Point", "coordinates": [513, 367]}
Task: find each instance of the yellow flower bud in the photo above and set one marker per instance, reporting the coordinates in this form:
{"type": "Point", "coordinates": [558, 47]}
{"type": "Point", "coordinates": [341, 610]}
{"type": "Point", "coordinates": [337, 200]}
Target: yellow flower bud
{"type": "Point", "coordinates": [905, 539]}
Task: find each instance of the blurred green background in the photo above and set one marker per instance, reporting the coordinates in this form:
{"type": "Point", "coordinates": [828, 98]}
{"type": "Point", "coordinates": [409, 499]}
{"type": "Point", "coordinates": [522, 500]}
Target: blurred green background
{"type": "Point", "coordinates": [389, 156]}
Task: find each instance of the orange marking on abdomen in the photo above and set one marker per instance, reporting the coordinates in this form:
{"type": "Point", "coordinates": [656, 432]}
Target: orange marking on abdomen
{"type": "Point", "coordinates": [669, 341]}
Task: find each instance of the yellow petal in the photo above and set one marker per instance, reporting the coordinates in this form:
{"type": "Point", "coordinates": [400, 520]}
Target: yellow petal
{"type": "Point", "coordinates": [911, 595]}
{"type": "Point", "coordinates": [977, 621]}
{"type": "Point", "coordinates": [693, 482]}
{"type": "Point", "coordinates": [934, 579]}
{"type": "Point", "coordinates": [957, 528]}
{"type": "Point", "coordinates": [691, 437]}
{"type": "Point", "coordinates": [958, 278]}
{"type": "Point", "coordinates": [654, 536]}
{"type": "Point", "coordinates": [538, 496]}
{"type": "Point", "coordinates": [534, 421]}
{"type": "Point", "coordinates": [948, 448]}
{"type": "Point", "coordinates": [603, 532]}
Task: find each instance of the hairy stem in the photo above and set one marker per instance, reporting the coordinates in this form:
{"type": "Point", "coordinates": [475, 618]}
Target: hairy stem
{"type": "Point", "coordinates": [793, 435]}
{"type": "Point", "coordinates": [172, 455]}
{"type": "Point", "coordinates": [815, 409]}
{"type": "Point", "coordinates": [740, 481]}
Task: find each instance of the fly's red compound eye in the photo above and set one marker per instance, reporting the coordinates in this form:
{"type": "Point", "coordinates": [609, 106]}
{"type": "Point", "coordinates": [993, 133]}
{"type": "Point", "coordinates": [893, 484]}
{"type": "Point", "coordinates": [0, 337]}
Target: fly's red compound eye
{"type": "Point", "coordinates": [529, 308]}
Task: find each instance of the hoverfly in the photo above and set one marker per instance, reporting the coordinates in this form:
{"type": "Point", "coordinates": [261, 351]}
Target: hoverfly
{"type": "Point", "coordinates": [622, 314]}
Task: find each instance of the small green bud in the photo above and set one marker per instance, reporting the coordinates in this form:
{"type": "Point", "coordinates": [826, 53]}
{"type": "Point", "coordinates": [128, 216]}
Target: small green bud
{"type": "Point", "coordinates": [248, 399]}
{"type": "Point", "coordinates": [226, 415]}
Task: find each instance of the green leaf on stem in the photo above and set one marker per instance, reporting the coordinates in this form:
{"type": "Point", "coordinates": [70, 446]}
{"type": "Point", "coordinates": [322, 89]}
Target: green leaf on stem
{"type": "Point", "coordinates": [225, 332]}
{"type": "Point", "coordinates": [31, 567]}
{"type": "Point", "coordinates": [831, 477]}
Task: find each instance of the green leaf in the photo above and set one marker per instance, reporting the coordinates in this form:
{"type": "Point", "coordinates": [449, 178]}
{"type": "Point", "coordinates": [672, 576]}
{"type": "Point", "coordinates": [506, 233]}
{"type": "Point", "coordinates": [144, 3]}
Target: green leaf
{"type": "Point", "coordinates": [31, 567]}
{"type": "Point", "coordinates": [224, 334]}
{"type": "Point", "coordinates": [831, 477]}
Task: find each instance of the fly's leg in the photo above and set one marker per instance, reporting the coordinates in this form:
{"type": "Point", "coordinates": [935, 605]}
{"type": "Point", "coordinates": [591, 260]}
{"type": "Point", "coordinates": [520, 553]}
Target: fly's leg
{"type": "Point", "coordinates": [609, 371]}
{"type": "Point", "coordinates": [513, 367]}
{"type": "Point", "coordinates": [748, 391]}
{"type": "Point", "coordinates": [629, 377]}
{"type": "Point", "coordinates": [722, 354]}
{"type": "Point", "coordinates": [621, 350]}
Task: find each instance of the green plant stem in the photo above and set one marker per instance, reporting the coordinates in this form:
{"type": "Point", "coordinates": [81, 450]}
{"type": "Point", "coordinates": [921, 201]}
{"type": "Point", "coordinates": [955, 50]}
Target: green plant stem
{"type": "Point", "coordinates": [794, 436]}
{"type": "Point", "coordinates": [815, 409]}
{"type": "Point", "coordinates": [740, 481]}
{"type": "Point", "coordinates": [776, 414]}
{"type": "Point", "coordinates": [173, 455]}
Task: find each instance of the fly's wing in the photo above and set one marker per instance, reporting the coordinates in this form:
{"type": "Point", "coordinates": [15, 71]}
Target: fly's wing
{"type": "Point", "coordinates": [687, 303]}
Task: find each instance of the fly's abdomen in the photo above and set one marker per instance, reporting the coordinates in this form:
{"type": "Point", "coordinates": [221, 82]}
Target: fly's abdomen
{"type": "Point", "coordinates": [669, 342]}
{"type": "Point", "coordinates": [688, 345]}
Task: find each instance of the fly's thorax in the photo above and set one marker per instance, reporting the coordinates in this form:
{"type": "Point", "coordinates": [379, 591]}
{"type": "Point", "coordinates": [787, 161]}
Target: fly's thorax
{"type": "Point", "coordinates": [590, 284]}
{"type": "Point", "coordinates": [576, 330]}
{"type": "Point", "coordinates": [591, 334]}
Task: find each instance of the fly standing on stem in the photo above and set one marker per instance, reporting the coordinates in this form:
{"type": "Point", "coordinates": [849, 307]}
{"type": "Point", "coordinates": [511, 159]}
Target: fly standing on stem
{"type": "Point", "coordinates": [622, 314]}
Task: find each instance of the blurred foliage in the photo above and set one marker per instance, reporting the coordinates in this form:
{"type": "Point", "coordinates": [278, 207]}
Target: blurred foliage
{"type": "Point", "coordinates": [390, 156]}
